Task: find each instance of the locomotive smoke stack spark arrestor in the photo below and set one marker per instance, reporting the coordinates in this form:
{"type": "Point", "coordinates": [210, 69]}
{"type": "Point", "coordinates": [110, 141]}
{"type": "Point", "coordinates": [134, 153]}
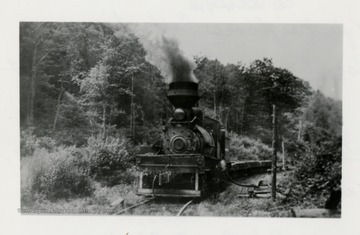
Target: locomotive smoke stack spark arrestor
{"type": "Point", "coordinates": [183, 94]}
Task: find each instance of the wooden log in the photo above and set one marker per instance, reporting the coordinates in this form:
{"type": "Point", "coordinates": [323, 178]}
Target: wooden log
{"type": "Point", "coordinates": [315, 213]}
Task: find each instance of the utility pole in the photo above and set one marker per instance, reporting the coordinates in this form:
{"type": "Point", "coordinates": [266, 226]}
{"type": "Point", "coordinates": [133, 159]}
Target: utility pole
{"type": "Point", "coordinates": [274, 145]}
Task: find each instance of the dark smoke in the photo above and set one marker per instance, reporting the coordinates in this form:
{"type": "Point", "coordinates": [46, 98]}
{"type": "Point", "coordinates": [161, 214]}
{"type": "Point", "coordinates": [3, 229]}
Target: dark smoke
{"type": "Point", "coordinates": [165, 54]}
{"type": "Point", "coordinates": [180, 68]}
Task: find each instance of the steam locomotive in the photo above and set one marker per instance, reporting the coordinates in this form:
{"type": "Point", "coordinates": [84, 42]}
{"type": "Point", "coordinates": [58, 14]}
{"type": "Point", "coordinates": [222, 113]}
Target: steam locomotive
{"type": "Point", "coordinates": [191, 153]}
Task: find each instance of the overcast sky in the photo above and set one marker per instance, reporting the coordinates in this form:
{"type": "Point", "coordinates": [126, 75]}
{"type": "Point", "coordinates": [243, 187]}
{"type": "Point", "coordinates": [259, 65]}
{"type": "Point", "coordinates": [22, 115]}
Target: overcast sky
{"type": "Point", "coordinates": [312, 52]}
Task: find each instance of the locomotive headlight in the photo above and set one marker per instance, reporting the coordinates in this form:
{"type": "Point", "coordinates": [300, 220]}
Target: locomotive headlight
{"type": "Point", "coordinates": [179, 114]}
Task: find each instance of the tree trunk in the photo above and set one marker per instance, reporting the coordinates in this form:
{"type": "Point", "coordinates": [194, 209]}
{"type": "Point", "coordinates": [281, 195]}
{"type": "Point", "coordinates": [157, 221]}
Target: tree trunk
{"type": "Point", "coordinates": [227, 118]}
{"type": "Point", "coordinates": [57, 110]}
{"type": "Point", "coordinates": [104, 123]}
{"type": "Point", "coordinates": [274, 146]}
{"type": "Point", "coordinates": [30, 113]}
{"type": "Point", "coordinates": [283, 154]}
{"type": "Point", "coordinates": [221, 109]}
{"type": "Point", "coordinates": [242, 121]}
{"type": "Point", "coordinates": [236, 121]}
{"type": "Point", "coordinates": [215, 105]}
{"type": "Point", "coordinates": [299, 133]}
{"type": "Point", "coordinates": [132, 108]}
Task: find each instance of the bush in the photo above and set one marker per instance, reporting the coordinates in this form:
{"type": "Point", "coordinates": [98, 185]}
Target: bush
{"type": "Point", "coordinates": [323, 160]}
{"type": "Point", "coordinates": [109, 160]}
{"type": "Point", "coordinates": [244, 148]}
{"type": "Point", "coordinates": [53, 172]}
{"type": "Point", "coordinates": [29, 142]}
{"type": "Point", "coordinates": [60, 174]}
{"type": "Point", "coordinates": [317, 174]}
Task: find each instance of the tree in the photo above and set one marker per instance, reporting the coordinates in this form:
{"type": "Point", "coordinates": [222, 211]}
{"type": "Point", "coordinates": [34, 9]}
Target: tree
{"type": "Point", "coordinates": [277, 86]}
{"type": "Point", "coordinates": [322, 118]}
{"type": "Point", "coordinates": [213, 85]}
{"type": "Point", "coordinates": [36, 44]}
{"type": "Point", "coordinates": [236, 90]}
{"type": "Point", "coordinates": [95, 87]}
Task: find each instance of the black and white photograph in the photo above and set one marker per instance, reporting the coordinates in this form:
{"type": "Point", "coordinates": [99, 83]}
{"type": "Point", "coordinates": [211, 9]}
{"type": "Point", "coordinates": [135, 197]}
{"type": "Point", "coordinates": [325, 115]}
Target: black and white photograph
{"type": "Point", "coordinates": [181, 119]}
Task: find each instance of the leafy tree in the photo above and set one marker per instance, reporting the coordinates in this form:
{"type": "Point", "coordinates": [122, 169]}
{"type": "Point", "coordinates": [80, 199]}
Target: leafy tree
{"type": "Point", "coordinates": [275, 86]}
{"type": "Point", "coordinates": [213, 85]}
{"type": "Point", "coordinates": [36, 44]}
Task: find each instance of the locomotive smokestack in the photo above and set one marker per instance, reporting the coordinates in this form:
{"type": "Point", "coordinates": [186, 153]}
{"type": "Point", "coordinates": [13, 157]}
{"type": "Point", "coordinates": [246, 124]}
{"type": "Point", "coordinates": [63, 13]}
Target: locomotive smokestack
{"type": "Point", "coordinates": [183, 94]}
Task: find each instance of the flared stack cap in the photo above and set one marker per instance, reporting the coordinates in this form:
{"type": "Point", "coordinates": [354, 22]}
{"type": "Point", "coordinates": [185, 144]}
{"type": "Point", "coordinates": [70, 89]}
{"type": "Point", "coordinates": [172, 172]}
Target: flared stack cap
{"type": "Point", "coordinates": [183, 94]}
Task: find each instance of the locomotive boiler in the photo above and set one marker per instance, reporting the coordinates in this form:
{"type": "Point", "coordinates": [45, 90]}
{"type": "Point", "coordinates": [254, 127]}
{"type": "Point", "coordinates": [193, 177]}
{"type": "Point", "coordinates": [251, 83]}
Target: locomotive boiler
{"type": "Point", "coordinates": [191, 152]}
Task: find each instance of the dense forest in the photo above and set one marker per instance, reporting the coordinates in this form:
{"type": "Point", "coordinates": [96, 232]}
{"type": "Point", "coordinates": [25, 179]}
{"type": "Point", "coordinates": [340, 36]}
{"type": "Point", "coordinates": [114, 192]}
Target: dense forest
{"type": "Point", "coordinates": [90, 87]}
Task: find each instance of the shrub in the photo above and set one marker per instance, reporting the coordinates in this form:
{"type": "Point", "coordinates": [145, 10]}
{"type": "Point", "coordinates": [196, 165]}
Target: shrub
{"type": "Point", "coordinates": [109, 160]}
{"type": "Point", "coordinates": [53, 172]}
{"type": "Point", "coordinates": [244, 148]}
{"type": "Point", "coordinates": [60, 174]}
{"type": "Point", "coordinates": [318, 172]}
{"type": "Point", "coordinates": [323, 160]}
{"type": "Point", "coordinates": [29, 142]}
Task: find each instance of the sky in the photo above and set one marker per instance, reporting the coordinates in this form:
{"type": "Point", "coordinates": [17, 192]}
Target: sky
{"type": "Point", "coordinates": [312, 52]}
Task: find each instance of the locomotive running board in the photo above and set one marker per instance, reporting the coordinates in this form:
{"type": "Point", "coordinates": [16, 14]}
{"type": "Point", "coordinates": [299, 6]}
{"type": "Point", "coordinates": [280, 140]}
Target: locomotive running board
{"type": "Point", "coordinates": [169, 192]}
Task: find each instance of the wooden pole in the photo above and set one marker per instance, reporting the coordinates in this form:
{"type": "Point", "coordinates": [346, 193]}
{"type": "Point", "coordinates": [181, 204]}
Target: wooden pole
{"type": "Point", "coordinates": [274, 145]}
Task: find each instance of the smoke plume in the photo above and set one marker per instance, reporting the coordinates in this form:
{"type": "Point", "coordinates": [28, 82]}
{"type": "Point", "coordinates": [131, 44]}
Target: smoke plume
{"type": "Point", "coordinates": [179, 68]}
{"type": "Point", "coordinates": [165, 54]}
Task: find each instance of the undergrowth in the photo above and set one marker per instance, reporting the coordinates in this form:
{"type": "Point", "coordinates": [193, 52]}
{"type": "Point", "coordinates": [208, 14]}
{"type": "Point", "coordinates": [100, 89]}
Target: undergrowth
{"type": "Point", "coordinates": [245, 148]}
{"type": "Point", "coordinates": [55, 172]}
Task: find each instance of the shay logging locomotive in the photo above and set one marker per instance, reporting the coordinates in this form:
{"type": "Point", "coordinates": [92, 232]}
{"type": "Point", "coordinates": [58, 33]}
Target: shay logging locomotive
{"type": "Point", "coordinates": [191, 153]}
